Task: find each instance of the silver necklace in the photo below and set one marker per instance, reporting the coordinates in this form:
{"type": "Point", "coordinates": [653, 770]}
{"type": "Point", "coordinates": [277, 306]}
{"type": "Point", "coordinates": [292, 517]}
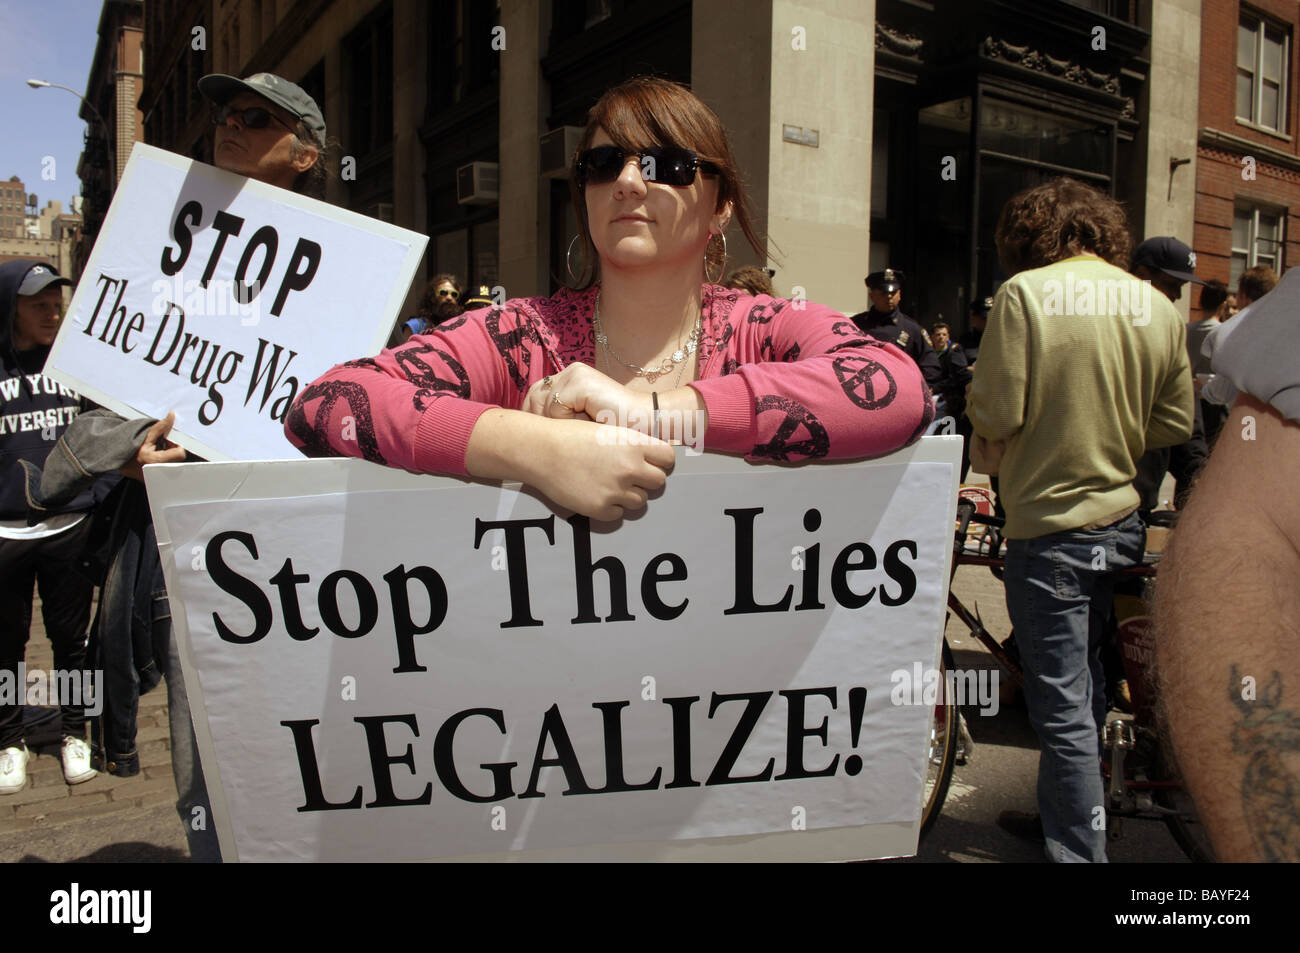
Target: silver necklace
{"type": "Point", "coordinates": [681, 369]}
{"type": "Point", "coordinates": [651, 374]}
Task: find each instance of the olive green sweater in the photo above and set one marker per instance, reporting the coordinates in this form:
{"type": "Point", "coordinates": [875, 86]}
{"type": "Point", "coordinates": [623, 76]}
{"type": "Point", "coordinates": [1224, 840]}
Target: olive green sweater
{"type": "Point", "coordinates": [1082, 368]}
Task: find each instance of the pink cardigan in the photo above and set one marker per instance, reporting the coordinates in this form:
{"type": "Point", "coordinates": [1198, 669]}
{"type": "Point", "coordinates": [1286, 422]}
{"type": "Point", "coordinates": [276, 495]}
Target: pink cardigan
{"type": "Point", "coordinates": [781, 380]}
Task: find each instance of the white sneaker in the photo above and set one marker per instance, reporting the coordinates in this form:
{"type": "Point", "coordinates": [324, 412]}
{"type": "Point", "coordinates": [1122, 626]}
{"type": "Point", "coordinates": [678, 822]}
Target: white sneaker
{"type": "Point", "coordinates": [76, 761]}
{"type": "Point", "coordinates": [13, 770]}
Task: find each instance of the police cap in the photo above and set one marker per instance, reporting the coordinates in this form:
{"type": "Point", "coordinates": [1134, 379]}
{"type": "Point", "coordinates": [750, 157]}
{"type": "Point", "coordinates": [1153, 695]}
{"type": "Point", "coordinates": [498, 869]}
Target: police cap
{"type": "Point", "coordinates": [887, 280]}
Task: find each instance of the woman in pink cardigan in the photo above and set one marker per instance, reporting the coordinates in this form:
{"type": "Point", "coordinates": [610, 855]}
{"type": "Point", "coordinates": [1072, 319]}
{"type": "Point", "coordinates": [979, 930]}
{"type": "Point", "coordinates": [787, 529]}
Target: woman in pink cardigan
{"type": "Point", "coordinates": [529, 390]}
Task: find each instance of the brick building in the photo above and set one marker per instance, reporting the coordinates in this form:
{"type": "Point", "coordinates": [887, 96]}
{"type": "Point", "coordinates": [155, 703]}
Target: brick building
{"type": "Point", "coordinates": [13, 205]}
{"type": "Point", "coordinates": [1248, 159]}
{"type": "Point", "coordinates": [177, 51]}
{"type": "Point", "coordinates": [113, 88]}
{"type": "Point", "coordinates": [50, 235]}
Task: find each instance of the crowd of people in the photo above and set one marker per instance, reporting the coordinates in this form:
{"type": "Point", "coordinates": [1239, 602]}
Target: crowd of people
{"type": "Point", "coordinates": [1066, 413]}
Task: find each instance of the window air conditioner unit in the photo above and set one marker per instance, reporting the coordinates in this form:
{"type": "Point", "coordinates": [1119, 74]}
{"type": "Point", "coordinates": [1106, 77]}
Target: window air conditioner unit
{"type": "Point", "coordinates": [476, 183]}
{"type": "Point", "coordinates": [557, 148]}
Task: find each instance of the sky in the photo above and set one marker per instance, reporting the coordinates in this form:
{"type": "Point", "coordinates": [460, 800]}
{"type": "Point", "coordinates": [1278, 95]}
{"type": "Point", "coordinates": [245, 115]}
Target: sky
{"type": "Point", "coordinates": [53, 40]}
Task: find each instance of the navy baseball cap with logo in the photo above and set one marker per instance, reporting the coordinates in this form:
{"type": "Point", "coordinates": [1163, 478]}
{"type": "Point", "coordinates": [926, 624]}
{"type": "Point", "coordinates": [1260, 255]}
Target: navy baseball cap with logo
{"type": "Point", "coordinates": [39, 278]}
{"type": "Point", "coordinates": [220, 88]}
{"type": "Point", "coordinates": [1168, 255]}
{"type": "Point", "coordinates": [887, 280]}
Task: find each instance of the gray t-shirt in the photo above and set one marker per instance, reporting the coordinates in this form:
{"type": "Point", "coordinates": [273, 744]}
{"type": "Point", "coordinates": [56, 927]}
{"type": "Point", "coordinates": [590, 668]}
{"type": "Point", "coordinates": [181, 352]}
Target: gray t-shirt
{"type": "Point", "coordinates": [1196, 334]}
{"type": "Point", "coordinates": [1258, 351]}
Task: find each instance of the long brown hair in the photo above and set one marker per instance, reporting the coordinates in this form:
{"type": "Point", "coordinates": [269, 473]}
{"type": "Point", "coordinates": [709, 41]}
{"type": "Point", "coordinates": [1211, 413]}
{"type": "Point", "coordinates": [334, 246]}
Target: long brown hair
{"type": "Point", "coordinates": [1060, 219]}
{"type": "Point", "coordinates": [429, 300]}
{"type": "Point", "coordinates": [648, 111]}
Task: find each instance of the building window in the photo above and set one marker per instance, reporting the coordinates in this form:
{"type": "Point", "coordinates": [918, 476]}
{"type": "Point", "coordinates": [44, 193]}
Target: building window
{"type": "Point", "coordinates": [255, 28]}
{"type": "Point", "coordinates": [1111, 8]}
{"type": "Point", "coordinates": [597, 12]}
{"type": "Point", "coordinates": [570, 19]}
{"type": "Point", "coordinates": [461, 43]}
{"type": "Point", "coordinates": [368, 82]}
{"type": "Point", "coordinates": [369, 51]}
{"type": "Point", "coordinates": [1263, 51]}
{"type": "Point", "coordinates": [313, 84]}
{"type": "Point", "coordinates": [1257, 239]}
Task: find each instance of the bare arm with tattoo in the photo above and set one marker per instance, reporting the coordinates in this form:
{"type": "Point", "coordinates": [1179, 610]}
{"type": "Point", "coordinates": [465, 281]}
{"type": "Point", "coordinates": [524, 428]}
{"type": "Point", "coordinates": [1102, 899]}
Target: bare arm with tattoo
{"type": "Point", "coordinates": [1228, 638]}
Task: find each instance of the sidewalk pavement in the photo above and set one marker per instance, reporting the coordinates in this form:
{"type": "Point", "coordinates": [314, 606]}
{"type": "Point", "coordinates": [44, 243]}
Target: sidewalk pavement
{"type": "Point", "coordinates": [106, 818]}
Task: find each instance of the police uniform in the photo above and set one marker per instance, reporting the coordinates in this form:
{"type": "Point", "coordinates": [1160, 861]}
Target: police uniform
{"type": "Point", "coordinates": [956, 375]}
{"type": "Point", "coordinates": [897, 328]}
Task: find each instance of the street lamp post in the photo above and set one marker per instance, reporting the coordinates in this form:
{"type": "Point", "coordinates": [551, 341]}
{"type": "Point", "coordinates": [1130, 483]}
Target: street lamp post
{"type": "Point", "coordinates": [112, 163]}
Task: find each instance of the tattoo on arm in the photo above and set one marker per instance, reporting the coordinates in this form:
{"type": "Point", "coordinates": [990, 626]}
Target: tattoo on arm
{"type": "Point", "coordinates": [1270, 791]}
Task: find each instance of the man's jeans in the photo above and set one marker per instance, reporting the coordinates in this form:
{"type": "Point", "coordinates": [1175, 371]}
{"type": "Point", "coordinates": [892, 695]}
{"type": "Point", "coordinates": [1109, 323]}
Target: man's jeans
{"type": "Point", "coordinates": [192, 803]}
{"type": "Point", "coordinates": [1059, 590]}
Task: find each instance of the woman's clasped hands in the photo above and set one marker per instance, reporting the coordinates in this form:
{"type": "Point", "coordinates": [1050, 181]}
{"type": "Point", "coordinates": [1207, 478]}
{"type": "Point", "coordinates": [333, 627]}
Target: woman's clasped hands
{"type": "Point", "coordinates": [599, 458]}
{"type": "Point", "coordinates": [580, 392]}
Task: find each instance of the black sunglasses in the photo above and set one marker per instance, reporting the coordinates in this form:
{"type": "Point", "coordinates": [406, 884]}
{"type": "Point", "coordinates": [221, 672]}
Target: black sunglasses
{"type": "Point", "coordinates": [254, 117]}
{"type": "Point", "coordinates": [669, 165]}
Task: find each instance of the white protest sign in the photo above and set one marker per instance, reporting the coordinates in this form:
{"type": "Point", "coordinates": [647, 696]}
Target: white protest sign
{"type": "Point", "coordinates": [385, 666]}
{"type": "Point", "coordinates": [218, 297]}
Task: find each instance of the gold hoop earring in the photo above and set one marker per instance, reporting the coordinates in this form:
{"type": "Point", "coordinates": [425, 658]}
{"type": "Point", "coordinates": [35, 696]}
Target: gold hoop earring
{"type": "Point", "coordinates": [723, 269]}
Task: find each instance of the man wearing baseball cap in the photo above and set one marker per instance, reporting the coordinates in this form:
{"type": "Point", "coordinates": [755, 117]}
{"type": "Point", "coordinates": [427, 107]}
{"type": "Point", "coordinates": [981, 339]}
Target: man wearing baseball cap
{"type": "Point", "coordinates": [268, 129]}
{"type": "Point", "coordinates": [34, 413]}
{"type": "Point", "coordinates": [1167, 263]}
{"type": "Point", "coordinates": [271, 130]}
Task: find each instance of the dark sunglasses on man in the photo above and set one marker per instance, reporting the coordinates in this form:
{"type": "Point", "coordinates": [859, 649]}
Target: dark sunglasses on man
{"type": "Point", "coordinates": [253, 117]}
{"type": "Point", "coordinates": [669, 165]}
{"type": "Point", "coordinates": [448, 293]}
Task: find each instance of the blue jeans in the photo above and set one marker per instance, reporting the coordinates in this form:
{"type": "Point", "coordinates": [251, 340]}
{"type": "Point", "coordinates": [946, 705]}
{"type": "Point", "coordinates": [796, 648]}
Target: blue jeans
{"type": "Point", "coordinates": [1059, 590]}
{"type": "Point", "coordinates": [139, 646]}
{"type": "Point", "coordinates": [186, 769]}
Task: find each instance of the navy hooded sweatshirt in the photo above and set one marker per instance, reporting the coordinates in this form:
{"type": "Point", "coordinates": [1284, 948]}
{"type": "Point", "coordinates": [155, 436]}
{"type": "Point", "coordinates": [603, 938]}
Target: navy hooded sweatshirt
{"type": "Point", "coordinates": [34, 410]}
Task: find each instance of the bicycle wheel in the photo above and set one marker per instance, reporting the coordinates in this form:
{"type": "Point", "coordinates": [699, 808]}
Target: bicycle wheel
{"type": "Point", "coordinates": [1184, 825]}
{"type": "Point", "coordinates": [943, 749]}
{"type": "Point", "coordinates": [1187, 830]}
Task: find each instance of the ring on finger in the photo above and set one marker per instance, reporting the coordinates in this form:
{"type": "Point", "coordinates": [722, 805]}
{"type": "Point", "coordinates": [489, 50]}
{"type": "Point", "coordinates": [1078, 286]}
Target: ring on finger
{"type": "Point", "coordinates": [547, 381]}
{"type": "Point", "coordinates": [555, 399]}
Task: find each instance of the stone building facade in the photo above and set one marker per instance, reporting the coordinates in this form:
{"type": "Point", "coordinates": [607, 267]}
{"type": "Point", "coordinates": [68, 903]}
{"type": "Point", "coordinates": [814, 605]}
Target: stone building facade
{"type": "Point", "coordinates": [871, 133]}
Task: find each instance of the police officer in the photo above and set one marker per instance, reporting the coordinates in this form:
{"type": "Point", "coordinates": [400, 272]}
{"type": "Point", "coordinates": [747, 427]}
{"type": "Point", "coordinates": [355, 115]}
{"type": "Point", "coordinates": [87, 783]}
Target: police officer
{"type": "Point", "coordinates": [884, 322]}
{"type": "Point", "coordinates": [951, 388]}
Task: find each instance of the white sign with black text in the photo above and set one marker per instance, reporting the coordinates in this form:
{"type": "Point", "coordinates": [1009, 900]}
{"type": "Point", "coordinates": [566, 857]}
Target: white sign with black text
{"type": "Point", "coordinates": [219, 297]}
{"type": "Point", "coordinates": [385, 666]}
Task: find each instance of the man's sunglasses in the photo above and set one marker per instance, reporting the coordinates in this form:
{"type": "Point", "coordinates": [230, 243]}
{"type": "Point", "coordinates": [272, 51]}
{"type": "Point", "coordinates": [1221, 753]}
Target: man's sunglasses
{"type": "Point", "coordinates": [669, 165]}
{"type": "Point", "coordinates": [253, 117]}
{"type": "Point", "coordinates": [444, 293]}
